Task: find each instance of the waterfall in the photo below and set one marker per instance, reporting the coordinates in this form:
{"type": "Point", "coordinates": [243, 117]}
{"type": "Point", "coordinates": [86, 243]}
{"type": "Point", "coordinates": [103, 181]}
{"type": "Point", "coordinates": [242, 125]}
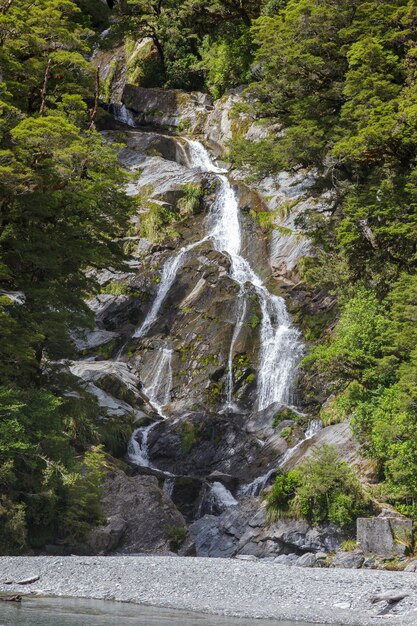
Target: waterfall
{"type": "Point", "coordinates": [160, 381]}
{"type": "Point", "coordinates": [281, 347]}
{"type": "Point", "coordinates": [158, 392]}
{"type": "Point", "coordinates": [137, 451]}
{"type": "Point", "coordinates": [230, 405]}
{"type": "Point", "coordinates": [220, 498]}
{"type": "Point", "coordinates": [122, 114]}
{"type": "Point", "coordinates": [169, 485]}
{"type": "Point", "coordinates": [258, 485]}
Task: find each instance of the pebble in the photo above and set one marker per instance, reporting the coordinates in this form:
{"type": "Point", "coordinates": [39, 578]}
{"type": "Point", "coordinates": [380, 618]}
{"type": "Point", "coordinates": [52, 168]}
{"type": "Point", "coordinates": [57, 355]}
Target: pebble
{"type": "Point", "coordinates": [233, 587]}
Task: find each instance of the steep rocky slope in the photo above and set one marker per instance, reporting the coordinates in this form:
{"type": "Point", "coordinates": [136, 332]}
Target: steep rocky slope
{"type": "Point", "coordinates": [194, 349]}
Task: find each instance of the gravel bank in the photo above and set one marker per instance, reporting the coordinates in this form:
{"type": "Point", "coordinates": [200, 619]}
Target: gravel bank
{"type": "Point", "coordinates": [221, 586]}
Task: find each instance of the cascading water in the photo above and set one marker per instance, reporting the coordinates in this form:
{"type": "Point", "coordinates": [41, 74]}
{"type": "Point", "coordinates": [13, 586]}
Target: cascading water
{"type": "Point", "coordinates": [281, 347]}
{"type": "Point", "coordinates": [137, 448]}
{"type": "Point", "coordinates": [122, 114]}
{"type": "Point", "coordinates": [220, 498]}
{"type": "Point", "coordinates": [230, 405]}
{"type": "Point", "coordinates": [258, 485]}
{"type": "Point", "coordinates": [160, 381]}
{"type": "Point", "coordinates": [169, 273]}
{"type": "Point", "coordinates": [158, 392]}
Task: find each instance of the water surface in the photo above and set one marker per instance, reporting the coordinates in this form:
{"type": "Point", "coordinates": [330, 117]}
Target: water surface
{"type": "Point", "coordinates": [74, 612]}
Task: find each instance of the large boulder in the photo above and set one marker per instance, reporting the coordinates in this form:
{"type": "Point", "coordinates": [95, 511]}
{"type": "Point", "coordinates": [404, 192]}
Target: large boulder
{"type": "Point", "coordinates": [245, 530]}
{"type": "Point", "coordinates": [167, 107]}
{"type": "Point", "coordinates": [141, 517]}
{"type": "Point", "coordinates": [349, 560]}
{"type": "Point", "coordinates": [385, 536]}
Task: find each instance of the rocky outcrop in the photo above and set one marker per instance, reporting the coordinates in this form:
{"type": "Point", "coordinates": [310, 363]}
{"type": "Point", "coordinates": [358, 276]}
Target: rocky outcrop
{"type": "Point", "coordinates": [210, 453]}
{"type": "Point", "coordinates": [141, 517]}
{"type": "Point", "coordinates": [245, 530]}
{"type": "Point", "coordinates": [172, 108]}
{"type": "Point", "coordinates": [388, 537]}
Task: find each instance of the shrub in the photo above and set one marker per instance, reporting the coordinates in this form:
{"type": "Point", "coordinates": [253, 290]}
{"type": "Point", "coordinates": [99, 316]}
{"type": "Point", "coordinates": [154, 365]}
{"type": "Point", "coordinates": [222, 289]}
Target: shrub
{"type": "Point", "coordinates": [84, 491]}
{"type": "Point", "coordinates": [190, 202]}
{"type": "Point", "coordinates": [322, 489]}
{"type": "Point", "coordinates": [175, 535]}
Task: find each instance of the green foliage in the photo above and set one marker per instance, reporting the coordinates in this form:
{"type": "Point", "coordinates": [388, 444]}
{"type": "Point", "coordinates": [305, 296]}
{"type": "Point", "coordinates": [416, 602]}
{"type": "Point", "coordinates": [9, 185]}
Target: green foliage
{"type": "Point", "coordinates": [189, 433]}
{"type": "Point", "coordinates": [322, 489]}
{"type": "Point", "coordinates": [190, 202]}
{"type": "Point", "coordinates": [83, 497]}
{"type": "Point", "coordinates": [356, 349]}
{"type": "Point", "coordinates": [196, 43]}
{"type": "Point", "coordinates": [175, 535]}
{"type": "Point", "coordinates": [63, 211]}
{"type": "Point", "coordinates": [226, 59]}
{"type": "Point", "coordinates": [349, 545]}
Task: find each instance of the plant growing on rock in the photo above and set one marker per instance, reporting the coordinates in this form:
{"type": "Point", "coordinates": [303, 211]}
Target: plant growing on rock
{"type": "Point", "coordinates": [190, 202]}
{"type": "Point", "coordinates": [323, 489]}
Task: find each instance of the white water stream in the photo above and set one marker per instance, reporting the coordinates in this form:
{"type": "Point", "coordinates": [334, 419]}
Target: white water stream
{"type": "Point", "coordinates": [281, 347]}
{"type": "Point", "coordinates": [258, 485]}
{"type": "Point", "coordinates": [158, 392]}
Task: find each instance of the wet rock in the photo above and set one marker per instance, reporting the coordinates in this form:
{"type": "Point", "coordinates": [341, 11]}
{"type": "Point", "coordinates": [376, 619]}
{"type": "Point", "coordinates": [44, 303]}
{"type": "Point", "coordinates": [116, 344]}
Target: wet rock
{"type": "Point", "coordinates": [186, 495]}
{"type": "Point", "coordinates": [349, 560]}
{"type": "Point", "coordinates": [114, 313]}
{"type": "Point", "coordinates": [115, 386]}
{"type": "Point", "coordinates": [86, 340]}
{"type": "Point", "coordinates": [338, 435]}
{"type": "Point", "coordinates": [201, 443]}
{"type": "Point", "coordinates": [385, 536]}
{"type": "Point", "coordinates": [218, 536]}
{"type": "Point", "coordinates": [167, 107]}
{"type": "Point", "coordinates": [244, 530]}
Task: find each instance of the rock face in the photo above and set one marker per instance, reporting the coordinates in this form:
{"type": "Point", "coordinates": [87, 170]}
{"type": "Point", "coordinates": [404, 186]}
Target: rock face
{"type": "Point", "coordinates": [182, 333]}
{"type": "Point", "coordinates": [168, 107]}
{"type": "Point", "coordinates": [385, 536]}
{"type": "Point", "coordinates": [140, 517]}
{"type": "Point", "coordinates": [244, 530]}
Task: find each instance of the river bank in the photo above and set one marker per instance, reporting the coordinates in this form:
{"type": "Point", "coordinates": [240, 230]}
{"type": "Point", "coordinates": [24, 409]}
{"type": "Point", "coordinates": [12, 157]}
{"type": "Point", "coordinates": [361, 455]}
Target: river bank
{"type": "Point", "coordinates": [222, 587]}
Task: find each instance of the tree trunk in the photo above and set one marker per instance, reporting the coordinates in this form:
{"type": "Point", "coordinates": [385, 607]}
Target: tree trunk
{"type": "Point", "coordinates": [93, 111]}
{"type": "Point", "coordinates": [44, 91]}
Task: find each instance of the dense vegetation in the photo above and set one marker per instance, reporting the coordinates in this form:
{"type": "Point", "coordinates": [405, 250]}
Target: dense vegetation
{"type": "Point", "coordinates": [322, 489]}
{"type": "Point", "coordinates": [62, 206]}
{"type": "Point", "coordinates": [338, 79]}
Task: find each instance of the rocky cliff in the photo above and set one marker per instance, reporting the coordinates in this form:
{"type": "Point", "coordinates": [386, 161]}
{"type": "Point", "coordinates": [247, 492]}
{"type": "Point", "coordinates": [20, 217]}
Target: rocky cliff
{"type": "Point", "coordinates": [194, 350]}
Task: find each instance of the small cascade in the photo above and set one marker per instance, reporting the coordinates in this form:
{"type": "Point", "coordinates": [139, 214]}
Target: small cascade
{"type": "Point", "coordinates": [230, 405]}
{"type": "Point", "coordinates": [169, 485]}
{"type": "Point", "coordinates": [258, 485]}
{"type": "Point", "coordinates": [122, 114]}
{"type": "Point", "coordinates": [219, 499]}
{"type": "Point", "coordinates": [158, 381]}
{"type": "Point", "coordinates": [137, 450]}
{"type": "Point", "coordinates": [158, 392]}
{"type": "Point", "coordinates": [169, 274]}
{"type": "Point", "coordinates": [314, 427]}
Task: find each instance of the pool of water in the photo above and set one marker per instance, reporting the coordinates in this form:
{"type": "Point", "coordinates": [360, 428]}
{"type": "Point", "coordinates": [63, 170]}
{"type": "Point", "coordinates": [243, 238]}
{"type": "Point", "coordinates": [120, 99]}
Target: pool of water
{"type": "Point", "coordinates": [73, 612]}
